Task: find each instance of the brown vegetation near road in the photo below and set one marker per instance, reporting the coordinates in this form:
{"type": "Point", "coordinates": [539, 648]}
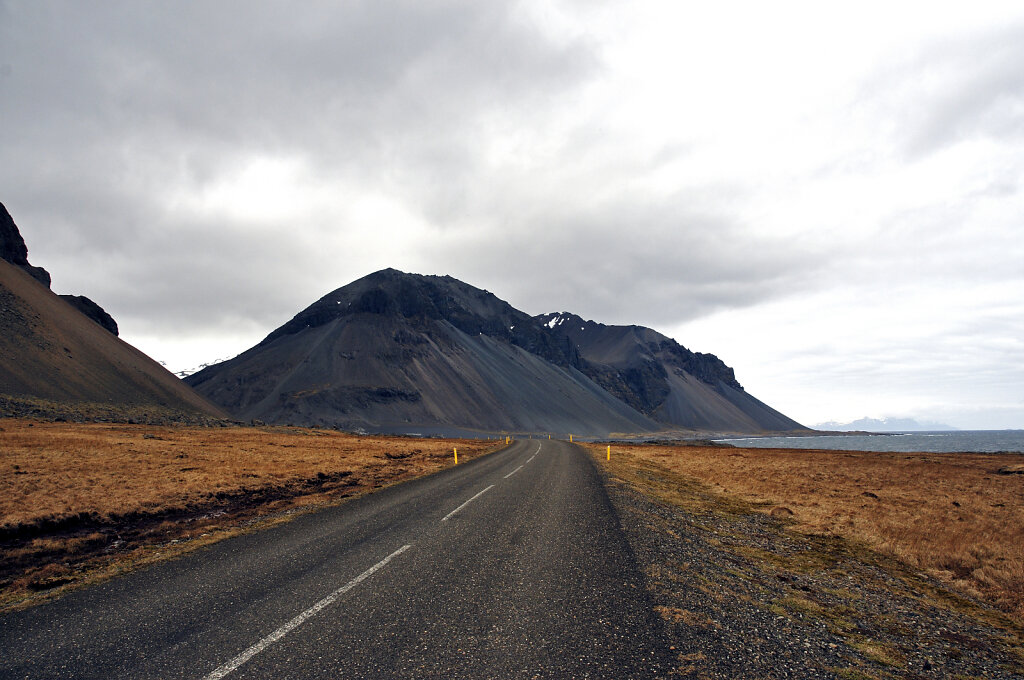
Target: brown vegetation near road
{"type": "Point", "coordinates": [958, 517]}
{"type": "Point", "coordinates": [77, 496]}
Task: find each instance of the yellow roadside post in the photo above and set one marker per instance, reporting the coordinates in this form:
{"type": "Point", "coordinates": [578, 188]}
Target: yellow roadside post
{"type": "Point", "coordinates": [570, 437]}
{"type": "Point", "coordinates": [609, 452]}
{"type": "Point", "coordinates": [456, 455]}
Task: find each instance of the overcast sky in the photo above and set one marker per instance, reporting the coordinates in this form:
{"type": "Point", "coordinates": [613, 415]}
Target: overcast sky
{"type": "Point", "coordinates": [828, 198]}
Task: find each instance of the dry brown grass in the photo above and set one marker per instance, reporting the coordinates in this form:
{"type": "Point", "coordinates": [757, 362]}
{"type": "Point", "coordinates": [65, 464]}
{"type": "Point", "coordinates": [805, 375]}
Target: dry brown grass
{"type": "Point", "coordinates": [73, 493]}
{"type": "Point", "coordinates": [57, 470]}
{"type": "Point", "coordinates": [951, 515]}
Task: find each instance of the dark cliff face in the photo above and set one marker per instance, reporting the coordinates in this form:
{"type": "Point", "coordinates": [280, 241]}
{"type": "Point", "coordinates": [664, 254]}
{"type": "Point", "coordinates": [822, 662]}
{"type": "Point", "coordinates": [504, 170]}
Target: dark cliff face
{"type": "Point", "coordinates": [14, 250]}
{"type": "Point", "coordinates": [92, 310]}
{"type": "Point", "coordinates": [420, 300]}
{"type": "Point", "coordinates": [633, 362]}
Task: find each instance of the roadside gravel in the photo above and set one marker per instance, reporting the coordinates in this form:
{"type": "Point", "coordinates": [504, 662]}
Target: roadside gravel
{"type": "Point", "coordinates": [742, 596]}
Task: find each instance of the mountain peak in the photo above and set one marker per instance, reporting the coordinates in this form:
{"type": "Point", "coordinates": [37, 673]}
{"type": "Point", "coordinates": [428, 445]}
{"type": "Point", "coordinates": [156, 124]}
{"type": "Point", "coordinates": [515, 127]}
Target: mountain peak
{"type": "Point", "coordinates": [394, 351]}
{"type": "Point", "coordinates": [421, 300]}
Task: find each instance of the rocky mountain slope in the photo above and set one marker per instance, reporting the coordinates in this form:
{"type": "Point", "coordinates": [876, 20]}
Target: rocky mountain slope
{"type": "Point", "coordinates": [411, 353]}
{"type": "Point", "coordinates": [14, 250]}
{"type": "Point", "coordinates": [662, 379]}
{"type": "Point", "coordinates": [401, 352]}
{"type": "Point", "coordinates": [50, 350]}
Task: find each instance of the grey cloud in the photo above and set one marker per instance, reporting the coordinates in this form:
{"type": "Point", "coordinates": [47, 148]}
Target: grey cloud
{"type": "Point", "coordinates": [658, 265]}
{"type": "Point", "coordinates": [954, 89]}
{"type": "Point", "coordinates": [107, 109]}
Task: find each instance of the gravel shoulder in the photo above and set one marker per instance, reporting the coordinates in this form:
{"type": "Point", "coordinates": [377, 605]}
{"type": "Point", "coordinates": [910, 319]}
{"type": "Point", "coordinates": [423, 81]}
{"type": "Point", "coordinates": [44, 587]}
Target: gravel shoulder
{"type": "Point", "coordinates": [742, 595]}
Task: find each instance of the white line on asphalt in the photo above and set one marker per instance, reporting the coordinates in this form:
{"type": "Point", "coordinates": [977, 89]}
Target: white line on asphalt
{"type": "Point", "coordinates": [534, 455]}
{"type": "Point", "coordinates": [300, 619]}
{"type": "Point", "coordinates": [467, 503]}
{"type": "Point", "coordinates": [516, 470]}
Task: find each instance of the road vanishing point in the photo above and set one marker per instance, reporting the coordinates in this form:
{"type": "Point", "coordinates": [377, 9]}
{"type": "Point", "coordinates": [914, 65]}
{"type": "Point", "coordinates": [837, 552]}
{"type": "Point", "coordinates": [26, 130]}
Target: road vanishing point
{"type": "Point", "coordinates": [510, 566]}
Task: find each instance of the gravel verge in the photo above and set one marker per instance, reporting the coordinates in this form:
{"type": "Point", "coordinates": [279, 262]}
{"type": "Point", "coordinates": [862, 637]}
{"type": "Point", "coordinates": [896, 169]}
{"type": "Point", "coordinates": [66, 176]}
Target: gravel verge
{"type": "Point", "coordinates": [743, 596]}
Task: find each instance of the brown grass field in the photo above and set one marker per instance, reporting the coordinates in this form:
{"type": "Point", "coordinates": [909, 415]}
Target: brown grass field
{"type": "Point", "coordinates": [77, 497]}
{"type": "Point", "coordinates": [953, 516]}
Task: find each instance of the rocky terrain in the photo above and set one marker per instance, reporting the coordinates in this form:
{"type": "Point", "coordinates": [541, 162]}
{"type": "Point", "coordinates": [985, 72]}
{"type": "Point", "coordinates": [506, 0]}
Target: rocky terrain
{"type": "Point", "coordinates": [399, 352]}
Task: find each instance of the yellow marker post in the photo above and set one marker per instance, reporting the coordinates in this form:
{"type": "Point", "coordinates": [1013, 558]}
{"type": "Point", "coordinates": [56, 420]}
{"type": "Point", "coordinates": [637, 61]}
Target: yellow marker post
{"type": "Point", "coordinates": [609, 452]}
{"type": "Point", "coordinates": [570, 437]}
{"type": "Point", "coordinates": [456, 455]}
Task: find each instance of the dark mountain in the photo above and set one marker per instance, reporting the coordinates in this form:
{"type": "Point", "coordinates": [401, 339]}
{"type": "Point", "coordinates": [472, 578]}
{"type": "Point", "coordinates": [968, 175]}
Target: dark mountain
{"type": "Point", "coordinates": [662, 379]}
{"type": "Point", "coordinates": [405, 352]}
{"type": "Point", "coordinates": [50, 350]}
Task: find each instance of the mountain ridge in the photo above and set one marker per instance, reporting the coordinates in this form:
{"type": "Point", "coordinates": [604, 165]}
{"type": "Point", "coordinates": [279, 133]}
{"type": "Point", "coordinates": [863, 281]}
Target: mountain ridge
{"type": "Point", "coordinates": [393, 351]}
{"type": "Point", "coordinates": [662, 379]}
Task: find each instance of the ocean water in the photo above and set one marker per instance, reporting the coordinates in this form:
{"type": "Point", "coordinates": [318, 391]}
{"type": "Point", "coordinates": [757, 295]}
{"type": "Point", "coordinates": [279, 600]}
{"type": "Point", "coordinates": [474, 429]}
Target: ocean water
{"type": "Point", "coordinates": [977, 441]}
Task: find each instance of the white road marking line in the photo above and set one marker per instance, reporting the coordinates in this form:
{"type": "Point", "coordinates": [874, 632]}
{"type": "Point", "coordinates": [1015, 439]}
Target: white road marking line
{"type": "Point", "coordinates": [467, 503]}
{"type": "Point", "coordinates": [534, 455]}
{"type": "Point", "coordinates": [300, 619]}
{"type": "Point", "coordinates": [516, 470]}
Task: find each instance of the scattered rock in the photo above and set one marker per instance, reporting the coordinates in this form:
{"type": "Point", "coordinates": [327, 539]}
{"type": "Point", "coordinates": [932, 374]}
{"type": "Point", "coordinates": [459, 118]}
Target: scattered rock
{"type": "Point", "coordinates": [1011, 470]}
{"type": "Point", "coordinates": [781, 511]}
{"type": "Point", "coordinates": [868, 494]}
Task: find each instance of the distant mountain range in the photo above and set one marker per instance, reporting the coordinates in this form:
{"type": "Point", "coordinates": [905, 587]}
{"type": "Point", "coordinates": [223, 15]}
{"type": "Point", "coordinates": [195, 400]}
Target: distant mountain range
{"type": "Point", "coordinates": [885, 425]}
{"type": "Point", "coordinates": [399, 352]}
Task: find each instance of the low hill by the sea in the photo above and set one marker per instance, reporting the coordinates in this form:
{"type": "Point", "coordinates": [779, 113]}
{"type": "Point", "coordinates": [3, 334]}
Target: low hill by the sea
{"type": "Point", "coordinates": [410, 353]}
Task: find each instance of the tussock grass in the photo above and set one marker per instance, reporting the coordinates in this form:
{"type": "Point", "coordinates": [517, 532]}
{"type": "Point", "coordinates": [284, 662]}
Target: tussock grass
{"type": "Point", "coordinates": [954, 516]}
{"type": "Point", "coordinates": [53, 472]}
{"type": "Point", "coordinates": [76, 495]}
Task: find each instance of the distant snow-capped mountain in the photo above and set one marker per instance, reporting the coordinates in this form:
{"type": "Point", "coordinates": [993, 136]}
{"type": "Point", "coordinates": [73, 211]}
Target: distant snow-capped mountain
{"type": "Point", "coordinates": [885, 425]}
{"type": "Point", "coordinates": [189, 371]}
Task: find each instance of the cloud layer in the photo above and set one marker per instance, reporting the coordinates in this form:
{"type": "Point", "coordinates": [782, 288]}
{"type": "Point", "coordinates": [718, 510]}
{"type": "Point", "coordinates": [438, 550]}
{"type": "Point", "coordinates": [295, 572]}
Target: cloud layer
{"type": "Point", "coordinates": [824, 197]}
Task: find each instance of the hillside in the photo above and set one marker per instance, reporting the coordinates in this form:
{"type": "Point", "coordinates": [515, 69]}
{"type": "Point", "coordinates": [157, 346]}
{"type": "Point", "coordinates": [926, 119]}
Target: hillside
{"type": "Point", "coordinates": [50, 350]}
{"type": "Point", "coordinates": [64, 349]}
{"type": "Point", "coordinates": [409, 353]}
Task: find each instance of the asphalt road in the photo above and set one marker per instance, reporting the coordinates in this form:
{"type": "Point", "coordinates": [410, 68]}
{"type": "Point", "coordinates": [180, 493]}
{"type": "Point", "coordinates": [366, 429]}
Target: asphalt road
{"type": "Point", "coordinates": [510, 566]}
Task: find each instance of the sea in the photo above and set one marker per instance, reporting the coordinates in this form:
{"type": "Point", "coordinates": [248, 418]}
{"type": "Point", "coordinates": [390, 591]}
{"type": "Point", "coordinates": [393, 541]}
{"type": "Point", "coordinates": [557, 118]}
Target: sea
{"type": "Point", "coordinates": [974, 441]}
